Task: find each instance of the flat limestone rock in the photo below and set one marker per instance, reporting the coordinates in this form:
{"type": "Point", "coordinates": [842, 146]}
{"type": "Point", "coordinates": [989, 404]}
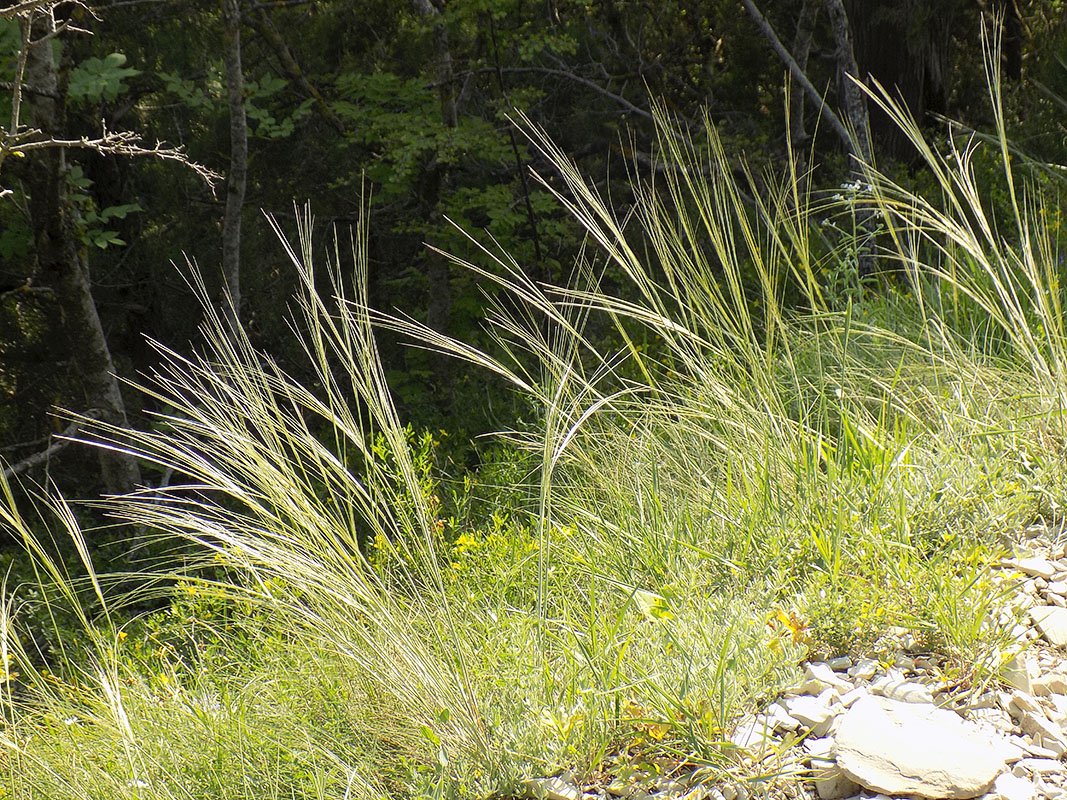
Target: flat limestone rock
{"type": "Point", "coordinates": [1036, 567]}
{"type": "Point", "coordinates": [1052, 622]}
{"type": "Point", "coordinates": [1012, 787]}
{"type": "Point", "coordinates": [897, 748]}
{"type": "Point", "coordinates": [552, 789]}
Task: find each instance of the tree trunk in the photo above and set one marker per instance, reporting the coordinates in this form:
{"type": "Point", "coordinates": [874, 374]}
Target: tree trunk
{"type": "Point", "coordinates": [439, 279]}
{"type": "Point", "coordinates": [798, 134]}
{"type": "Point", "coordinates": [237, 176]}
{"type": "Point", "coordinates": [855, 103]}
{"type": "Point", "coordinates": [856, 110]}
{"type": "Point", "coordinates": [62, 262]}
{"type": "Point", "coordinates": [912, 61]}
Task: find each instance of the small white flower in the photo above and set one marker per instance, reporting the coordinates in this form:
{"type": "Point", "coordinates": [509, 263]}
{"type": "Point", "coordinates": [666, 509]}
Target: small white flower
{"type": "Point", "coordinates": [70, 721]}
{"type": "Point", "coordinates": [137, 783]}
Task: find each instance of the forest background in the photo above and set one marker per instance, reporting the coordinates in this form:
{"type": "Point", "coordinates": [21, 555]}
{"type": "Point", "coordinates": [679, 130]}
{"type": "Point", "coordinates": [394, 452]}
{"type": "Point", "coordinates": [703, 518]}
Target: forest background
{"type": "Point", "coordinates": [412, 98]}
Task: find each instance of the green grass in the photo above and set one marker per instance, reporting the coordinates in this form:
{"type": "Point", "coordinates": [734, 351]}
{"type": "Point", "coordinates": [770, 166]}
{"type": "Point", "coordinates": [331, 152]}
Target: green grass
{"type": "Point", "coordinates": [731, 487]}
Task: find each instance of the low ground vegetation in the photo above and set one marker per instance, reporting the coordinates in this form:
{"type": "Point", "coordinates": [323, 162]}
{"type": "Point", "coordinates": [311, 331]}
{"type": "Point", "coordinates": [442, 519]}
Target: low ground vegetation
{"type": "Point", "coordinates": [778, 462]}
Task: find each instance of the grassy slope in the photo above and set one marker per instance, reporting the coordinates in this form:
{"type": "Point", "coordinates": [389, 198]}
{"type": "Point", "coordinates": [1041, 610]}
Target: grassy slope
{"type": "Point", "coordinates": [736, 488]}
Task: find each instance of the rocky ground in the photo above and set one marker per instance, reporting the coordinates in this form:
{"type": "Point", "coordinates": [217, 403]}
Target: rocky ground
{"type": "Point", "coordinates": [895, 726]}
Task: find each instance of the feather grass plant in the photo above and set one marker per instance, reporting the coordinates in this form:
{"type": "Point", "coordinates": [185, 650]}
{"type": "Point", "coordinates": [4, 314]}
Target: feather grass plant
{"type": "Point", "coordinates": [974, 266]}
{"type": "Point", "coordinates": [727, 484]}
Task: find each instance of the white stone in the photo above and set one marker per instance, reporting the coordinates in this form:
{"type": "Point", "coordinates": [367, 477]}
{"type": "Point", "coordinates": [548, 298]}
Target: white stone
{"type": "Point", "coordinates": [1051, 621]}
{"type": "Point", "coordinates": [1053, 683]}
{"type": "Point", "coordinates": [1035, 750]}
{"type": "Point", "coordinates": [925, 664]}
{"type": "Point", "coordinates": [1044, 732]}
{"type": "Point", "coordinates": [1016, 673]}
{"type": "Point", "coordinates": [1037, 766]}
{"type": "Point", "coordinates": [831, 783]}
{"type": "Point", "coordinates": [551, 789]}
{"type": "Point", "coordinates": [1036, 567]}
{"type": "Point", "coordinates": [1021, 748]}
{"type": "Point", "coordinates": [1058, 710]}
{"type": "Point", "coordinates": [819, 677]}
{"type": "Point", "coordinates": [917, 749]}
{"type": "Point", "coordinates": [996, 718]}
{"type": "Point", "coordinates": [754, 734]}
{"type": "Point", "coordinates": [811, 713]}
{"type": "Point", "coordinates": [779, 718]}
{"type": "Point", "coordinates": [1012, 787]}
{"type": "Point", "coordinates": [667, 789]}
{"type": "Point", "coordinates": [626, 789]}
{"type": "Point", "coordinates": [1020, 703]}
{"type": "Point", "coordinates": [985, 700]}
{"type": "Point", "coordinates": [902, 690]}
{"type": "Point", "coordinates": [848, 698]}
{"type": "Point", "coordinates": [864, 670]}
{"type": "Point", "coordinates": [820, 747]}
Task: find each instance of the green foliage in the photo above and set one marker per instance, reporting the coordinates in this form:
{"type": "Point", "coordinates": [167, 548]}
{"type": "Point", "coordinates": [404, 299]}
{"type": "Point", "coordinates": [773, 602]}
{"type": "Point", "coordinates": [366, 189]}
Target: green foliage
{"type": "Point", "coordinates": [266, 125]}
{"type": "Point", "coordinates": [191, 95]}
{"type": "Point", "coordinates": [399, 119]}
{"type": "Point", "coordinates": [16, 239]}
{"type": "Point", "coordinates": [96, 79]}
{"type": "Point", "coordinates": [91, 220]}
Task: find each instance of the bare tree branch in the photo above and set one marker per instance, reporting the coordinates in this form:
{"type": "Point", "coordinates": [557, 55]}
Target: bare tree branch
{"type": "Point", "coordinates": [25, 24]}
{"type": "Point", "coordinates": [27, 89]}
{"type": "Point", "coordinates": [64, 441]}
{"type": "Point", "coordinates": [798, 75]}
{"type": "Point", "coordinates": [571, 76]}
{"type": "Point", "coordinates": [57, 254]}
{"type": "Point", "coordinates": [27, 6]}
{"type": "Point", "coordinates": [17, 140]}
{"type": "Point", "coordinates": [115, 143]}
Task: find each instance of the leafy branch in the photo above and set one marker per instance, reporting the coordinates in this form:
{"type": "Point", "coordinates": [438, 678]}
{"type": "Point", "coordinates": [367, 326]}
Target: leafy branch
{"type": "Point", "coordinates": [18, 140]}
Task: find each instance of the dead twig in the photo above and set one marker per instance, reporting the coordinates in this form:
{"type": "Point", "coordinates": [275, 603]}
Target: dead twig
{"type": "Point", "coordinates": [61, 441]}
